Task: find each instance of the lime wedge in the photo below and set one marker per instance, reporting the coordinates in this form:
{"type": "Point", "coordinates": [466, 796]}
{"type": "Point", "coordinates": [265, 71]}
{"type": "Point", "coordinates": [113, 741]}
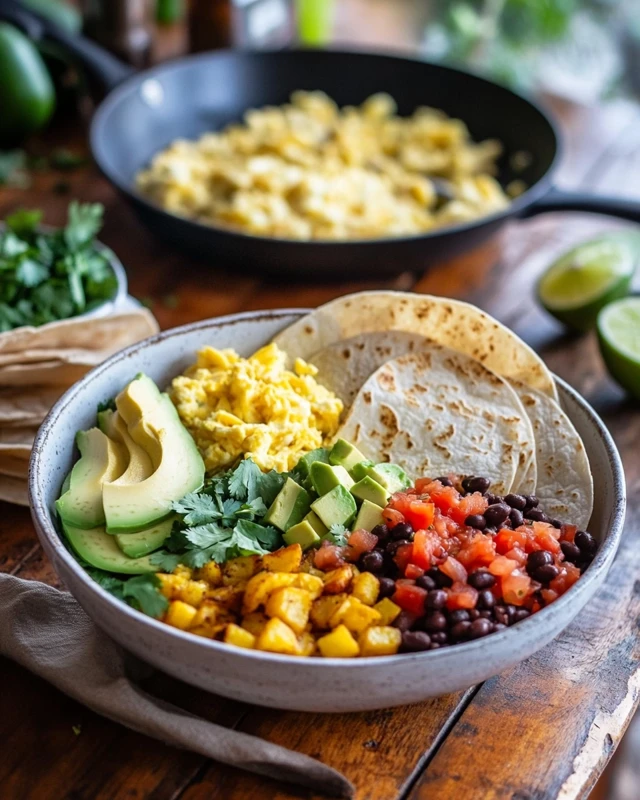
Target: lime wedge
{"type": "Point", "coordinates": [619, 338]}
{"type": "Point", "coordinates": [584, 280]}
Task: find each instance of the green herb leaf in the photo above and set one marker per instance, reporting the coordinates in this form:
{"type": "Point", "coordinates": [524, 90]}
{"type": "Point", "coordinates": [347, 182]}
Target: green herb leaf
{"type": "Point", "coordinates": [31, 273]}
{"type": "Point", "coordinates": [338, 534]}
{"type": "Point", "coordinates": [84, 223]}
{"type": "Point", "coordinates": [245, 480]}
{"type": "Point", "coordinates": [24, 222]}
{"type": "Point", "coordinates": [198, 509]}
{"type": "Point", "coordinates": [165, 562]}
{"type": "Point", "coordinates": [270, 484]}
{"type": "Point", "coordinates": [143, 591]}
{"type": "Point", "coordinates": [107, 405]}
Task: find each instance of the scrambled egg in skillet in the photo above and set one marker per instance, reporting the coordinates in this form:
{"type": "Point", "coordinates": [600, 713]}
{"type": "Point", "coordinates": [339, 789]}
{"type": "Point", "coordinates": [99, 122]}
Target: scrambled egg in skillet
{"type": "Point", "coordinates": [236, 407]}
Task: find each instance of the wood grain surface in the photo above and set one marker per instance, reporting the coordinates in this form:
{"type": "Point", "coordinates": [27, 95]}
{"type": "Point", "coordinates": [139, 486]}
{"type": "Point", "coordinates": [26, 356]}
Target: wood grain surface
{"type": "Point", "coordinates": [543, 730]}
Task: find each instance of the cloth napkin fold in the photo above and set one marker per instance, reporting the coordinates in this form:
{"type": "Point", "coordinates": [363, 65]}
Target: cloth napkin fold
{"type": "Point", "coordinates": [48, 633]}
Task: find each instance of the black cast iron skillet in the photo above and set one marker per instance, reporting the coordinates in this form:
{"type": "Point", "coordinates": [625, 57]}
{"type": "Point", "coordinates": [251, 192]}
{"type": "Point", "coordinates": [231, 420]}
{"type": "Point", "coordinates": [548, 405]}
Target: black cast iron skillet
{"type": "Point", "coordinates": [144, 112]}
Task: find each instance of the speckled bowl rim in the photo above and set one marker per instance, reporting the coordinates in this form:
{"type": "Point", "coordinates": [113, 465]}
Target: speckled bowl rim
{"type": "Point", "coordinates": [46, 528]}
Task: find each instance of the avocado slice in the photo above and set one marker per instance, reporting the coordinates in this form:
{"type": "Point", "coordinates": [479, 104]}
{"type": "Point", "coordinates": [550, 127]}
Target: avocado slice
{"type": "Point", "coordinates": [368, 489]}
{"type": "Point", "coordinates": [308, 459]}
{"type": "Point", "coordinates": [100, 550]}
{"type": "Point", "coordinates": [101, 460]}
{"type": "Point", "coordinates": [139, 467]}
{"type": "Point", "coordinates": [337, 507]}
{"type": "Point", "coordinates": [140, 544]}
{"type": "Point", "coordinates": [302, 534]}
{"type": "Point", "coordinates": [361, 469]}
{"type": "Point", "coordinates": [369, 515]}
{"type": "Point", "coordinates": [324, 477]}
{"type": "Point", "coordinates": [316, 523]}
{"type": "Point", "coordinates": [391, 476]}
{"type": "Point", "coordinates": [344, 454]}
{"type": "Point", "coordinates": [133, 506]}
{"type": "Point", "coordinates": [290, 506]}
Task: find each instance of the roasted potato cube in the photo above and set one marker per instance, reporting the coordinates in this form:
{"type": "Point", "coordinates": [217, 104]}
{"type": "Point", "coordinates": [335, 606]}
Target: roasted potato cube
{"type": "Point", "coordinates": [171, 585]}
{"type": "Point", "coordinates": [338, 580]}
{"type": "Point", "coordinates": [366, 588]}
{"type": "Point", "coordinates": [338, 615]}
{"type": "Point", "coordinates": [309, 583]}
{"type": "Point", "coordinates": [211, 573]}
{"type": "Point", "coordinates": [291, 605]}
{"type": "Point", "coordinates": [287, 559]}
{"type": "Point", "coordinates": [183, 571]}
{"type": "Point", "coordinates": [234, 634]}
{"type": "Point", "coordinates": [229, 596]}
{"type": "Point", "coordinates": [180, 614]}
{"type": "Point", "coordinates": [237, 571]}
{"type": "Point", "coordinates": [308, 566]}
{"type": "Point", "coordinates": [359, 617]}
{"type": "Point", "coordinates": [307, 643]}
{"type": "Point", "coordinates": [380, 641]}
{"type": "Point", "coordinates": [338, 644]}
{"type": "Point", "coordinates": [254, 622]}
{"type": "Point", "coordinates": [324, 608]}
{"type": "Point", "coordinates": [260, 587]}
{"type": "Point", "coordinates": [210, 619]}
{"type": "Point", "coordinates": [277, 637]}
{"type": "Point", "coordinates": [193, 592]}
{"type": "Point", "coordinates": [388, 610]}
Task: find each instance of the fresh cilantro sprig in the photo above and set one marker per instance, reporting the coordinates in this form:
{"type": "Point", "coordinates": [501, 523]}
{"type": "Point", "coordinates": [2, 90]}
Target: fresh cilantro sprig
{"type": "Point", "coordinates": [141, 591]}
{"type": "Point", "coordinates": [338, 534]}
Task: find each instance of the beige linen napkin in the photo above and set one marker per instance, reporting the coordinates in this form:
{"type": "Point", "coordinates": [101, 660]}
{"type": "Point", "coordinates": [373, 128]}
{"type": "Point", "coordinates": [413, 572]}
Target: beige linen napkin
{"type": "Point", "coordinates": [47, 632]}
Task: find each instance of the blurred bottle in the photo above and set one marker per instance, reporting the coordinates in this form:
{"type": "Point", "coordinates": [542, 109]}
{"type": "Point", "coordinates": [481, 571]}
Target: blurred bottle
{"type": "Point", "coordinates": [240, 23]}
{"type": "Point", "coordinates": [122, 26]}
{"type": "Point", "coordinates": [315, 21]}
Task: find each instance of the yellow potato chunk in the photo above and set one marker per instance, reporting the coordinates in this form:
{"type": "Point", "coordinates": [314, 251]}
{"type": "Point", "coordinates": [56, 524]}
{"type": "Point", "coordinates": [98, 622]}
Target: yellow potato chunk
{"type": "Point", "coordinates": [310, 583]}
{"type": "Point", "coordinates": [237, 571]}
{"type": "Point", "coordinates": [210, 619]}
{"type": "Point", "coordinates": [234, 634]}
{"type": "Point", "coordinates": [180, 614]}
{"type": "Point", "coordinates": [366, 588]}
{"type": "Point", "coordinates": [291, 605]}
{"type": "Point", "coordinates": [338, 615]}
{"type": "Point", "coordinates": [388, 610]}
{"type": "Point", "coordinates": [254, 622]}
{"type": "Point", "coordinates": [338, 580]}
{"type": "Point", "coordinates": [307, 643]}
{"type": "Point", "coordinates": [171, 585]}
{"type": "Point", "coordinates": [359, 617]}
{"type": "Point", "coordinates": [260, 587]}
{"type": "Point", "coordinates": [277, 637]}
{"type": "Point", "coordinates": [380, 641]}
{"type": "Point", "coordinates": [324, 608]}
{"type": "Point", "coordinates": [193, 592]}
{"type": "Point", "coordinates": [211, 573]}
{"type": "Point", "coordinates": [183, 571]}
{"type": "Point", "coordinates": [338, 644]}
{"type": "Point", "coordinates": [229, 596]}
{"type": "Point", "coordinates": [287, 559]}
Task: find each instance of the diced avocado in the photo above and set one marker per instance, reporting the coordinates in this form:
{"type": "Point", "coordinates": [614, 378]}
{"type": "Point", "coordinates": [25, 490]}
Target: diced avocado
{"type": "Point", "coordinates": [101, 459]}
{"type": "Point", "coordinates": [361, 469]}
{"type": "Point", "coordinates": [316, 523]}
{"type": "Point", "coordinates": [320, 454]}
{"type": "Point", "coordinates": [368, 517]}
{"type": "Point", "coordinates": [391, 476]}
{"type": "Point", "coordinates": [344, 454]}
{"type": "Point", "coordinates": [140, 544]}
{"type": "Point", "coordinates": [324, 477]}
{"type": "Point", "coordinates": [302, 534]}
{"type": "Point", "coordinates": [101, 550]}
{"type": "Point", "coordinates": [337, 507]}
{"type": "Point", "coordinates": [290, 506]}
{"type": "Point", "coordinates": [132, 506]}
{"type": "Point", "coordinates": [368, 489]}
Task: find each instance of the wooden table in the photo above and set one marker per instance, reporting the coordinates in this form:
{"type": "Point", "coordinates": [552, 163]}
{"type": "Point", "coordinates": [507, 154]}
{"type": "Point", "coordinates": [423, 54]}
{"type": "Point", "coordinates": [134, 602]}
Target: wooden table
{"type": "Point", "coordinates": [542, 730]}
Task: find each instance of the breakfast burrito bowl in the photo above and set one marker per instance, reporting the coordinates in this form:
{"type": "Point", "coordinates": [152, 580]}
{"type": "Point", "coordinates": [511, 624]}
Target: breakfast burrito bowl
{"type": "Point", "coordinates": [273, 679]}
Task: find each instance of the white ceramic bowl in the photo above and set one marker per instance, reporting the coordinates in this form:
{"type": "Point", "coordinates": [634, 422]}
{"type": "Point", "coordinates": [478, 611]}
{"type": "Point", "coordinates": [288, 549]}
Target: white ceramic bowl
{"type": "Point", "coordinates": [306, 684]}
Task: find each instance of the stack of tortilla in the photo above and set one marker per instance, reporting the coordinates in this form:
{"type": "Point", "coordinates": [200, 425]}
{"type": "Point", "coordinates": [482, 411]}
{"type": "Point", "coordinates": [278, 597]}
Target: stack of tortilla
{"type": "Point", "coordinates": [37, 365]}
{"type": "Point", "coordinates": [440, 387]}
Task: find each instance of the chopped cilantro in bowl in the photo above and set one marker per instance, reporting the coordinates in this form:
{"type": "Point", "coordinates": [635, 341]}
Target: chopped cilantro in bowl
{"type": "Point", "coordinates": [49, 274]}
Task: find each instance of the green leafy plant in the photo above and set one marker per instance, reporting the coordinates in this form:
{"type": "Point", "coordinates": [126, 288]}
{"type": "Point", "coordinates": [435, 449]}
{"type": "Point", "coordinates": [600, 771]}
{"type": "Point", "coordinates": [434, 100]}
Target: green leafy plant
{"type": "Point", "coordinates": [141, 592]}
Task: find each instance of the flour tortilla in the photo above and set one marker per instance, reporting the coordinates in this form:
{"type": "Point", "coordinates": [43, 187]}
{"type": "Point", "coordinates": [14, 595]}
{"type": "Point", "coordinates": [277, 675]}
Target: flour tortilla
{"type": "Point", "coordinates": [451, 323]}
{"type": "Point", "coordinates": [14, 460]}
{"type": "Point", "coordinates": [18, 435]}
{"type": "Point", "coordinates": [440, 411]}
{"type": "Point", "coordinates": [565, 483]}
{"type": "Point", "coordinates": [14, 490]}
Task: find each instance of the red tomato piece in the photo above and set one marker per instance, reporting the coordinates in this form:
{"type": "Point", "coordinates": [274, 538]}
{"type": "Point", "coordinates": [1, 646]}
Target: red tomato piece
{"type": "Point", "coordinates": [568, 533]}
{"type": "Point", "coordinates": [548, 595]}
{"type": "Point", "coordinates": [425, 544]}
{"type": "Point", "coordinates": [569, 574]}
{"type": "Point", "coordinates": [403, 555]}
{"type": "Point", "coordinates": [461, 595]}
{"type": "Point", "coordinates": [445, 498]}
{"type": "Point", "coordinates": [501, 566]}
{"type": "Point", "coordinates": [392, 517]}
{"type": "Point", "coordinates": [413, 571]}
{"type": "Point", "coordinates": [507, 539]}
{"type": "Point", "coordinates": [516, 587]}
{"type": "Point", "coordinates": [478, 551]}
{"type": "Point", "coordinates": [454, 570]}
{"type": "Point", "coordinates": [420, 514]}
{"type": "Point", "coordinates": [470, 504]}
{"type": "Point", "coordinates": [517, 555]}
{"type": "Point", "coordinates": [360, 541]}
{"type": "Point", "coordinates": [328, 556]}
{"type": "Point", "coordinates": [546, 536]}
{"type": "Point", "coordinates": [409, 597]}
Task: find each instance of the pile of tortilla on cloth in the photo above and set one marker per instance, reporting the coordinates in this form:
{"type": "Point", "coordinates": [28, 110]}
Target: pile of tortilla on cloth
{"type": "Point", "coordinates": [37, 365]}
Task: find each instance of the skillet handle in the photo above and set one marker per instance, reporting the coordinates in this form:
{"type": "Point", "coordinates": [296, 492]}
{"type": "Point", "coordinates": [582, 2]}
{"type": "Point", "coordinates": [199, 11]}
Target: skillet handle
{"type": "Point", "coordinates": [559, 200]}
{"type": "Point", "coordinates": [104, 69]}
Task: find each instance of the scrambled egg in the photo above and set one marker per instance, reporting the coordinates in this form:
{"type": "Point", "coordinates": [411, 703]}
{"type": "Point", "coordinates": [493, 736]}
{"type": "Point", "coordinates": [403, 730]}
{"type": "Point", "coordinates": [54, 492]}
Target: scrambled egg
{"type": "Point", "coordinates": [237, 407]}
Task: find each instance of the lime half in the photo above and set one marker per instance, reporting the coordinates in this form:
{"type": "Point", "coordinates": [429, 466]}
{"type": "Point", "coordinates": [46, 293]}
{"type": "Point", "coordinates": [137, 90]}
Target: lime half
{"type": "Point", "coordinates": [619, 337]}
{"type": "Point", "coordinates": [584, 280]}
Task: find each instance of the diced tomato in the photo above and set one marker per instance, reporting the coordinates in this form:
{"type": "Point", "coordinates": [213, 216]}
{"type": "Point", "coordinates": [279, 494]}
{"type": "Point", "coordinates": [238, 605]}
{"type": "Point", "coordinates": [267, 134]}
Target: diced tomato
{"type": "Point", "coordinates": [413, 571]}
{"type": "Point", "coordinates": [507, 539]}
{"type": "Point", "coordinates": [392, 517]}
{"type": "Point", "coordinates": [444, 497]}
{"type": "Point", "coordinates": [535, 606]}
{"type": "Point", "coordinates": [569, 574]}
{"type": "Point", "coordinates": [470, 504]}
{"type": "Point", "coordinates": [401, 501]}
{"type": "Point", "coordinates": [479, 551]}
{"type": "Point", "coordinates": [546, 536]}
{"type": "Point", "coordinates": [517, 555]}
{"type": "Point", "coordinates": [501, 566]}
{"type": "Point", "coordinates": [516, 587]}
{"type": "Point", "coordinates": [425, 544]}
{"type": "Point", "coordinates": [409, 597]}
{"type": "Point", "coordinates": [427, 486]}
{"type": "Point", "coordinates": [360, 541]}
{"type": "Point", "coordinates": [568, 533]}
{"type": "Point", "coordinates": [461, 595]}
{"type": "Point", "coordinates": [548, 595]}
{"type": "Point", "coordinates": [403, 555]}
{"type": "Point", "coordinates": [328, 556]}
{"type": "Point", "coordinates": [454, 570]}
{"type": "Point", "coordinates": [420, 514]}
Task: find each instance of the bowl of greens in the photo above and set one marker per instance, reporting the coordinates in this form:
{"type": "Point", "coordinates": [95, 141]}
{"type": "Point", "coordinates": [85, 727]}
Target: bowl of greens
{"type": "Point", "coordinates": [51, 274]}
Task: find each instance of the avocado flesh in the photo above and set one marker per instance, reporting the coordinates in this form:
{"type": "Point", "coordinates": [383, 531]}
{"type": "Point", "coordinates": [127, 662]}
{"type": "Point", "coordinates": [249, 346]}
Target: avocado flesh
{"type": "Point", "coordinates": [147, 541]}
{"type": "Point", "coordinates": [344, 454]}
{"type": "Point", "coordinates": [391, 476]}
{"type": "Point", "coordinates": [361, 469]}
{"type": "Point", "coordinates": [337, 507]}
{"type": "Point", "coordinates": [131, 507]}
{"type": "Point", "coordinates": [324, 477]}
{"type": "Point", "coordinates": [100, 550]}
{"type": "Point", "coordinates": [369, 515]}
{"type": "Point", "coordinates": [316, 523]}
{"type": "Point", "coordinates": [139, 467]}
{"type": "Point", "coordinates": [368, 489]}
{"type": "Point", "coordinates": [131, 406]}
{"type": "Point", "coordinates": [302, 534]}
{"type": "Point", "coordinates": [101, 460]}
{"type": "Point", "coordinates": [309, 459]}
{"type": "Point", "coordinates": [290, 506]}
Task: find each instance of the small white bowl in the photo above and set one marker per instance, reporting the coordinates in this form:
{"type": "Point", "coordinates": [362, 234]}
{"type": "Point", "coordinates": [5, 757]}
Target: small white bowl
{"type": "Point", "coordinates": [304, 684]}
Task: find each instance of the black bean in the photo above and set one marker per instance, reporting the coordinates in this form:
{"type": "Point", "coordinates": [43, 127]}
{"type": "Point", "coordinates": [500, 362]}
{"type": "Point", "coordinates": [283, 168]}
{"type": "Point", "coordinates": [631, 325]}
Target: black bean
{"type": "Point", "coordinates": [392, 547]}
{"type": "Point", "coordinates": [460, 630]}
{"type": "Point", "coordinates": [516, 501]}
{"type": "Point", "coordinates": [498, 626]}
{"type": "Point", "coordinates": [373, 562]}
{"type": "Point", "coordinates": [403, 530]}
{"type": "Point", "coordinates": [496, 514]}
{"type": "Point", "coordinates": [473, 614]}
{"type": "Point", "coordinates": [556, 523]}
{"type": "Point", "coordinates": [426, 582]}
{"type": "Point", "coordinates": [387, 587]}
{"type": "Point", "coordinates": [382, 532]}
{"type": "Point", "coordinates": [435, 600]}
{"type": "Point", "coordinates": [586, 543]}
{"type": "Point", "coordinates": [537, 559]}
{"type": "Point", "coordinates": [404, 621]}
{"type": "Point", "coordinates": [486, 615]}
{"type": "Point", "coordinates": [486, 600]}
{"type": "Point", "coordinates": [415, 641]}
{"type": "Point", "coordinates": [521, 614]}
{"type": "Point", "coordinates": [531, 500]}
{"type": "Point", "coordinates": [511, 611]}
{"type": "Point", "coordinates": [435, 622]}
{"type": "Point", "coordinates": [570, 551]}
{"type": "Point", "coordinates": [481, 579]}
{"type": "Point", "coordinates": [516, 518]}
{"type": "Point", "coordinates": [546, 573]}
{"type": "Point", "coordinates": [500, 615]}
{"type": "Point", "coordinates": [535, 515]}
{"type": "Point", "coordinates": [481, 627]}
{"type": "Point", "coordinates": [440, 637]}
{"type": "Point", "coordinates": [444, 480]}
{"type": "Point", "coordinates": [492, 499]}
{"type": "Point", "coordinates": [476, 484]}
{"type": "Point", "coordinates": [459, 615]}
{"type": "Point", "coordinates": [476, 521]}
{"type": "Point", "coordinates": [442, 581]}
